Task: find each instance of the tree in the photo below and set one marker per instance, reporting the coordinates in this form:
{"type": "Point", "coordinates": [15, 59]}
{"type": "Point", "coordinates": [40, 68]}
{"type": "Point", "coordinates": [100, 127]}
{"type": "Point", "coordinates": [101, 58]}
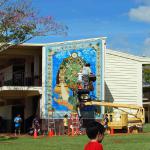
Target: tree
{"type": "Point", "coordinates": [146, 74]}
{"type": "Point", "coordinates": [19, 23]}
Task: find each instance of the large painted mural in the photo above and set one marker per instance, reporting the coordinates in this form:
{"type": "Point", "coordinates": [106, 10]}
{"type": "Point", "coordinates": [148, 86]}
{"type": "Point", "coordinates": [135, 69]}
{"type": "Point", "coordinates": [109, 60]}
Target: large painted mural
{"type": "Point", "coordinates": [64, 63]}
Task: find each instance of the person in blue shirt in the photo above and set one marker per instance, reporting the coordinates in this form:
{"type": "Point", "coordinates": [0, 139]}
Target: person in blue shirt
{"type": "Point", "coordinates": [17, 121]}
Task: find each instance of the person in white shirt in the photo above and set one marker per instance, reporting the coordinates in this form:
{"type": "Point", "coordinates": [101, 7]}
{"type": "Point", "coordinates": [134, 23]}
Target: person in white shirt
{"type": "Point", "coordinates": [86, 69]}
{"type": "Point", "coordinates": [86, 72]}
{"type": "Point", "coordinates": [80, 74]}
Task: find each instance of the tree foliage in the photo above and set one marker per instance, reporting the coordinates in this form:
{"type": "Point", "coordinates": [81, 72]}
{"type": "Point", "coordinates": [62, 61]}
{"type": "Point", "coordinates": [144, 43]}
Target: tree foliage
{"type": "Point", "coordinates": [19, 23]}
{"type": "Point", "coordinates": [147, 75]}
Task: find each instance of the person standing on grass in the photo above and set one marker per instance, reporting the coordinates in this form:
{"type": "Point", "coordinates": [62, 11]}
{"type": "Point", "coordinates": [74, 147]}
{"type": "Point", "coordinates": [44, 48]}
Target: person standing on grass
{"type": "Point", "coordinates": [106, 120]}
{"type": "Point", "coordinates": [95, 132]}
{"type": "Point", "coordinates": [36, 124]}
{"type": "Point", "coordinates": [17, 121]}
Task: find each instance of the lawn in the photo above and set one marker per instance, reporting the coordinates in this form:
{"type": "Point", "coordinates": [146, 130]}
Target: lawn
{"type": "Point", "coordinates": [111, 142]}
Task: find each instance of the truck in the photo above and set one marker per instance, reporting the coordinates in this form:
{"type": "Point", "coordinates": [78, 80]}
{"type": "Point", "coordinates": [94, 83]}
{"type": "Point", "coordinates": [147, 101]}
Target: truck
{"type": "Point", "coordinates": [129, 118]}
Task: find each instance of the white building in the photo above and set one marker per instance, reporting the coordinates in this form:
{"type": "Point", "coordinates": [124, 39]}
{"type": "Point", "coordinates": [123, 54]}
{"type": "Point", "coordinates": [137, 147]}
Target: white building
{"type": "Point", "coordinates": [123, 79]}
{"type": "Point", "coordinates": [21, 81]}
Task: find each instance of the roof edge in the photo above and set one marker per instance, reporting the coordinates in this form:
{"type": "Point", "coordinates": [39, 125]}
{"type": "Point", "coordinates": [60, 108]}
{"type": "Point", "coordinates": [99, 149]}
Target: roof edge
{"type": "Point", "coordinates": [129, 56]}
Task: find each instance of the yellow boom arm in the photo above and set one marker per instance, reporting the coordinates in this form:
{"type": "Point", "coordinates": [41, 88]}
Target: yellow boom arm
{"type": "Point", "coordinates": [139, 114]}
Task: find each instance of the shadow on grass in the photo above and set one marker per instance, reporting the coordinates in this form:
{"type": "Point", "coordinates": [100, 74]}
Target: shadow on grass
{"type": "Point", "coordinates": [146, 128]}
{"type": "Point", "coordinates": [7, 139]}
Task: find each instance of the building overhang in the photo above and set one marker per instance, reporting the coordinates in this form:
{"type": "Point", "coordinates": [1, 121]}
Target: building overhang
{"type": "Point", "coordinates": [10, 92]}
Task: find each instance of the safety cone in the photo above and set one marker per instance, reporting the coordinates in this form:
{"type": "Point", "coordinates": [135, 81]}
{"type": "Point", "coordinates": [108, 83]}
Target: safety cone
{"type": "Point", "coordinates": [112, 131]}
{"type": "Point", "coordinates": [43, 134]}
{"type": "Point", "coordinates": [50, 134]}
{"type": "Point", "coordinates": [35, 134]}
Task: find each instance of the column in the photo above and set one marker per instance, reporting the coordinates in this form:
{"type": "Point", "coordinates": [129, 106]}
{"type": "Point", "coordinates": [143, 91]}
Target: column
{"type": "Point", "coordinates": [36, 70]}
{"type": "Point", "coordinates": [28, 74]}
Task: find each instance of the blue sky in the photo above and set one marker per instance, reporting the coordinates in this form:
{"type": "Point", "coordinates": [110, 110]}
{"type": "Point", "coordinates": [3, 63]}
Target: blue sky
{"type": "Point", "coordinates": [125, 23]}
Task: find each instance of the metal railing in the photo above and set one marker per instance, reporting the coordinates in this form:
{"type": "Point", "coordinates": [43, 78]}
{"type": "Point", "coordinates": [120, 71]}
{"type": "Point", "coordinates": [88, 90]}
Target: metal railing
{"type": "Point", "coordinates": [18, 79]}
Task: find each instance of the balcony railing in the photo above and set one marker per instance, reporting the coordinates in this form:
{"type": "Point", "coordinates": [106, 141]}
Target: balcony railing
{"type": "Point", "coordinates": [19, 79]}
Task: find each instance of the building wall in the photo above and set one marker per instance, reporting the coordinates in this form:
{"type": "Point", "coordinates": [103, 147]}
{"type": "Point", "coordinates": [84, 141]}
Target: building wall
{"type": "Point", "coordinates": [28, 110]}
{"type": "Point", "coordinates": [6, 73]}
{"type": "Point", "coordinates": [123, 79]}
{"type": "Point", "coordinates": [6, 114]}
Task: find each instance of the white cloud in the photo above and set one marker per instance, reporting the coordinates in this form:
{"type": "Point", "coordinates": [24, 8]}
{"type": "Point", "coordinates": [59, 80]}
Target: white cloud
{"type": "Point", "coordinates": [146, 51]}
{"type": "Point", "coordinates": [142, 13]}
{"type": "Point", "coordinates": [120, 42]}
{"type": "Point", "coordinates": [146, 47]}
{"type": "Point", "coordinates": [146, 2]}
{"type": "Point", "coordinates": [147, 41]}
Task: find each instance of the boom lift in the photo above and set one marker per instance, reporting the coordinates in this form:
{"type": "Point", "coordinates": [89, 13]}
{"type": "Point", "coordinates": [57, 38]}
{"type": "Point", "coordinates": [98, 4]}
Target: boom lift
{"type": "Point", "coordinates": [130, 117]}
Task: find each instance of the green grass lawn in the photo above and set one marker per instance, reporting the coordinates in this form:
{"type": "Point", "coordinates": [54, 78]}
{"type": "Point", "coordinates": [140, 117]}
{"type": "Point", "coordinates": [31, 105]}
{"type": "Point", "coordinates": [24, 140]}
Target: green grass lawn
{"type": "Point", "coordinates": [111, 142]}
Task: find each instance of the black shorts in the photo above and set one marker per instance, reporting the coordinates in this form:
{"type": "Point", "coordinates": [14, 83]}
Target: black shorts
{"type": "Point", "coordinates": [17, 128]}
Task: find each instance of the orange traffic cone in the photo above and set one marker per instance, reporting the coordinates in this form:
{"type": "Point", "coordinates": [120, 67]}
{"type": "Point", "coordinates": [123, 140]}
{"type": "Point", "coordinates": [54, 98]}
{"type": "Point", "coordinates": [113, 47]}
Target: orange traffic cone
{"type": "Point", "coordinates": [43, 133]}
{"type": "Point", "coordinates": [112, 131]}
{"type": "Point", "coordinates": [51, 133]}
{"type": "Point", "coordinates": [35, 134]}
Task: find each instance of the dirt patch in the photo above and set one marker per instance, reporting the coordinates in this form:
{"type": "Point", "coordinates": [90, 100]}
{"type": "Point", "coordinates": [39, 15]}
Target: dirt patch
{"type": "Point", "coordinates": [7, 143]}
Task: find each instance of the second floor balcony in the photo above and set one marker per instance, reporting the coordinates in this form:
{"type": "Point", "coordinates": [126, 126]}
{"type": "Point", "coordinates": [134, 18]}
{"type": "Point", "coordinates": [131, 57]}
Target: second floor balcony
{"type": "Point", "coordinates": [18, 79]}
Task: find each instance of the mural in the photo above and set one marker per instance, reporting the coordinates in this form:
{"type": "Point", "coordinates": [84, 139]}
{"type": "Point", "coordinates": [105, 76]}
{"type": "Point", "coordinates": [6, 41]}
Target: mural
{"type": "Point", "coordinates": [64, 63]}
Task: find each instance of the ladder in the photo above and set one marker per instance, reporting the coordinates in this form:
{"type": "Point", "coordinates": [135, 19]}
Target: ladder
{"type": "Point", "coordinates": [51, 123]}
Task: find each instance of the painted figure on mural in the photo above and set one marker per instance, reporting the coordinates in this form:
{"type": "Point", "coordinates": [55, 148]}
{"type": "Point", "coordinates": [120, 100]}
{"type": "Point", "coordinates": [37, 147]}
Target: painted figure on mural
{"type": "Point", "coordinates": [61, 87]}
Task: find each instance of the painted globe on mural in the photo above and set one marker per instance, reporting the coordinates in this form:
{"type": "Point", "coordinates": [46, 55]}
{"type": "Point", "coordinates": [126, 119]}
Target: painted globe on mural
{"type": "Point", "coordinates": [69, 70]}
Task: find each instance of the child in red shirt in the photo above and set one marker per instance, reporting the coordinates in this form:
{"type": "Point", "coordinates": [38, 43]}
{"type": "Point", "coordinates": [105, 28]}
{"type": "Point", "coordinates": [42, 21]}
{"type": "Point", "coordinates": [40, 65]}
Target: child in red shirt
{"type": "Point", "coordinates": [95, 132]}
